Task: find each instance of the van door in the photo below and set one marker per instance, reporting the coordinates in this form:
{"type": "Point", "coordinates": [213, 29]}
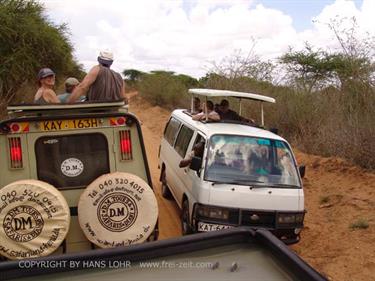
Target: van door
{"type": "Point", "coordinates": [191, 177]}
{"type": "Point", "coordinates": [181, 148]}
{"type": "Point", "coordinates": [168, 154]}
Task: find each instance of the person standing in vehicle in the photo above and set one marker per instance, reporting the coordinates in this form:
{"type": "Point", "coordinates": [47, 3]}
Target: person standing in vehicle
{"type": "Point", "coordinates": [45, 93]}
{"type": "Point", "coordinates": [101, 83]}
{"type": "Point", "coordinates": [70, 84]}
{"type": "Point", "coordinates": [211, 113]}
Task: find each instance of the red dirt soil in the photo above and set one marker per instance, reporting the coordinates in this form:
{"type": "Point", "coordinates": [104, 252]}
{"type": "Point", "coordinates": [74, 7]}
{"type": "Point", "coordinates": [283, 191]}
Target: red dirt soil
{"type": "Point", "coordinates": [337, 194]}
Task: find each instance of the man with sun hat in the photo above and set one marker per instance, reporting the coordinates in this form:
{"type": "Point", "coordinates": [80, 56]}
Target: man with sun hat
{"type": "Point", "coordinates": [101, 83]}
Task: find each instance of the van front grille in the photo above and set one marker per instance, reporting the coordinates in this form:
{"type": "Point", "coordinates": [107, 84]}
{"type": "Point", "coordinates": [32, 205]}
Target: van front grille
{"type": "Point", "coordinates": [258, 219]}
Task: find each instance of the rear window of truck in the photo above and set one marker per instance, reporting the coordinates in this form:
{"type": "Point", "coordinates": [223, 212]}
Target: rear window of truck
{"type": "Point", "coordinates": [71, 160]}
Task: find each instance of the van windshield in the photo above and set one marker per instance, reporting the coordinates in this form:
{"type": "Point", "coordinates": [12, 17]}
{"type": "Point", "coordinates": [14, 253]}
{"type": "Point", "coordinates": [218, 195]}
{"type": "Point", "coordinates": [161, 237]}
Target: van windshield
{"type": "Point", "coordinates": [251, 161]}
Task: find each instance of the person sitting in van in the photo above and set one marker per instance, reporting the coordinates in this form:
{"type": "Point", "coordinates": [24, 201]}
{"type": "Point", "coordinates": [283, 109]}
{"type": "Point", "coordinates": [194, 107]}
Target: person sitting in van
{"type": "Point", "coordinates": [212, 115]}
{"type": "Point", "coordinates": [45, 93]}
{"type": "Point", "coordinates": [228, 114]}
{"type": "Point", "coordinates": [197, 151]}
{"type": "Point", "coordinates": [260, 164]}
{"type": "Point", "coordinates": [70, 84]}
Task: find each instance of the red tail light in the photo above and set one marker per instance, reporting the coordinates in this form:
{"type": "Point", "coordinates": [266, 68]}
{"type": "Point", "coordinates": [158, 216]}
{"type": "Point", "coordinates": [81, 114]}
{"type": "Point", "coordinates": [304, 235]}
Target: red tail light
{"type": "Point", "coordinates": [15, 150]}
{"type": "Point", "coordinates": [126, 145]}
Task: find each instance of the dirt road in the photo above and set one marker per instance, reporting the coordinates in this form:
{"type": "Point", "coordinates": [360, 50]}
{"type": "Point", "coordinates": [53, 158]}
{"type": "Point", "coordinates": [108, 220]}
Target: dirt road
{"type": "Point", "coordinates": [337, 195]}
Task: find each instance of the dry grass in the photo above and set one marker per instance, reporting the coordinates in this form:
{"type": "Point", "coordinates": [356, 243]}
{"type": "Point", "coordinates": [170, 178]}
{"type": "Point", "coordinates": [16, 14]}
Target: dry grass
{"type": "Point", "coordinates": [359, 224]}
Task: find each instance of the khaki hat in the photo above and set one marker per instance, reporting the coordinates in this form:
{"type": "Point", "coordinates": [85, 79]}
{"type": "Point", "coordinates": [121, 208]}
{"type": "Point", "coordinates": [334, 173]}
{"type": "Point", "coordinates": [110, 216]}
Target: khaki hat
{"type": "Point", "coordinates": [106, 55]}
{"type": "Point", "coordinates": [105, 58]}
{"type": "Point", "coordinates": [71, 81]}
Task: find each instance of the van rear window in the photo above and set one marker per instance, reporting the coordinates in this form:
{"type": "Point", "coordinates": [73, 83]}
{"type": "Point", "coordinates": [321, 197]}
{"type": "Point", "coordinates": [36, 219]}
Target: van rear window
{"type": "Point", "coordinates": [71, 160]}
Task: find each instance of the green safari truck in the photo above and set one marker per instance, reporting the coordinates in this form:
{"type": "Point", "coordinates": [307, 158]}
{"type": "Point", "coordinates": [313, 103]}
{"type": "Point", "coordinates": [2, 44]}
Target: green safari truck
{"type": "Point", "coordinates": [73, 178]}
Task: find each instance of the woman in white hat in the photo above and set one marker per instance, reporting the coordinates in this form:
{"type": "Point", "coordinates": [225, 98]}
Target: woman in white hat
{"type": "Point", "coordinates": [45, 93]}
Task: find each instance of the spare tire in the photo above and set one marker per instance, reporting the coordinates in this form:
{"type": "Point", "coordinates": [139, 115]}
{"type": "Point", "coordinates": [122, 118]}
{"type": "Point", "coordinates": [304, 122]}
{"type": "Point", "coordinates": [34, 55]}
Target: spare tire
{"type": "Point", "coordinates": [117, 209]}
{"type": "Point", "coordinates": [34, 219]}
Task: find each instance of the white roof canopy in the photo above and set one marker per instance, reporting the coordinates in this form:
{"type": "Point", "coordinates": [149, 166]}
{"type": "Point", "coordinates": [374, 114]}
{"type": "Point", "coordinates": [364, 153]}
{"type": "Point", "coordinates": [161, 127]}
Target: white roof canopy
{"type": "Point", "coordinates": [225, 93]}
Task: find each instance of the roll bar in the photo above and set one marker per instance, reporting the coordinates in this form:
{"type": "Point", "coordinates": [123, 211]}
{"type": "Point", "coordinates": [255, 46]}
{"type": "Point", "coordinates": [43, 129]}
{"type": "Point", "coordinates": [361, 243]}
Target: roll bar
{"type": "Point", "coordinates": [225, 93]}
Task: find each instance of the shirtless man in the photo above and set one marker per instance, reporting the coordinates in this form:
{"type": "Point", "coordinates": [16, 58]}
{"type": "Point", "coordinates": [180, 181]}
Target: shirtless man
{"type": "Point", "coordinates": [101, 83]}
{"type": "Point", "coordinates": [45, 93]}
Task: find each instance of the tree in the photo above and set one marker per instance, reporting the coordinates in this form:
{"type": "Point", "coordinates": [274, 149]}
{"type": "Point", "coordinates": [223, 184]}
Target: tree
{"type": "Point", "coordinates": [351, 63]}
{"type": "Point", "coordinates": [308, 69]}
{"type": "Point", "coordinates": [251, 66]}
{"type": "Point", "coordinates": [133, 75]}
{"type": "Point", "coordinates": [28, 42]}
{"type": "Point", "coordinates": [187, 80]}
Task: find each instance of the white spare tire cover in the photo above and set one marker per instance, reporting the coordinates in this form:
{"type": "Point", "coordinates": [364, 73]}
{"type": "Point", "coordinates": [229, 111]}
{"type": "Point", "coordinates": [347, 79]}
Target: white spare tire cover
{"type": "Point", "coordinates": [117, 209]}
{"type": "Point", "coordinates": [34, 219]}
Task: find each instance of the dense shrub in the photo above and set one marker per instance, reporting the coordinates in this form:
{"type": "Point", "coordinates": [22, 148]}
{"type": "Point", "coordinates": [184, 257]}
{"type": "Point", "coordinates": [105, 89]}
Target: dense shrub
{"type": "Point", "coordinates": [28, 42]}
{"type": "Point", "coordinates": [166, 89]}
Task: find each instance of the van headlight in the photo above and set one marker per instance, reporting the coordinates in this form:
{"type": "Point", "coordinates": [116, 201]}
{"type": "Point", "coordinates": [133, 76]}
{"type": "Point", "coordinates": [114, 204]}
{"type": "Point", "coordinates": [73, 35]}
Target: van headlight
{"type": "Point", "coordinates": [212, 212]}
{"type": "Point", "coordinates": [293, 218]}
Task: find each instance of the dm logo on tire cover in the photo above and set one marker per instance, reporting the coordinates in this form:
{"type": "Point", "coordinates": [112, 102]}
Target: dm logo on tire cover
{"type": "Point", "coordinates": [23, 223]}
{"type": "Point", "coordinates": [117, 212]}
{"type": "Point", "coordinates": [34, 219]}
{"type": "Point", "coordinates": [117, 209]}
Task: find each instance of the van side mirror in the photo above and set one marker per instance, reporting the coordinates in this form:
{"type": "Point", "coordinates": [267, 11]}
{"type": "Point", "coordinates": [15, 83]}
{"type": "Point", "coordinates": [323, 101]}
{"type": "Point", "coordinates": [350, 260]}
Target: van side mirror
{"type": "Point", "coordinates": [302, 170]}
{"type": "Point", "coordinates": [196, 164]}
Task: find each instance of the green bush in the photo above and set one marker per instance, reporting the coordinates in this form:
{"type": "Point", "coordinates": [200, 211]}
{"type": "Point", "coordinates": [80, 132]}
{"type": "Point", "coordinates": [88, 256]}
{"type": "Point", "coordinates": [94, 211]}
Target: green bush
{"type": "Point", "coordinates": [29, 42]}
{"type": "Point", "coordinates": [164, 89]}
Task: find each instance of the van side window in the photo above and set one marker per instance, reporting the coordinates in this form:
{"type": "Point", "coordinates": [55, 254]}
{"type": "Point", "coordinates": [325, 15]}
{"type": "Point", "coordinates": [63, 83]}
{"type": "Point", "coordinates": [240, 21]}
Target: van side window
{"type": "Point", "coordinates": [183, 140]}
{"type": "Point", "coordinates": [171, 130]}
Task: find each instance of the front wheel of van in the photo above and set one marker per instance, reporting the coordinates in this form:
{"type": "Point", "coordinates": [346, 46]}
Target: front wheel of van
{"type": "Point", "coordinates": [185, 221]}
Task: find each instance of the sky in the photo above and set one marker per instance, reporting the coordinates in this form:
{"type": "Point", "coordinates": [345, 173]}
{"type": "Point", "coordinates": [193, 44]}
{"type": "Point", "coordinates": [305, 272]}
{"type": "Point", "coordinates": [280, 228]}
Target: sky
{"type": "Point", "coordinates": [187, 36]}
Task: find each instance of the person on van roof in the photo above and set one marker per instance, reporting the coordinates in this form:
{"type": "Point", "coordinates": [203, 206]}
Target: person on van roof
{"type": "Point", "coordinates": [197, 151]}
{"type": "Point", "coordinates": [101, 83]}
{"type": "Point", "coordinates": [211, 113]}
{"type": "Point", "coordinates": [45, 94]}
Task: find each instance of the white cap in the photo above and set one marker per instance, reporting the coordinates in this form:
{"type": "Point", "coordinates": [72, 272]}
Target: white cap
{"type": "Point", "coordinates": [106, 55]}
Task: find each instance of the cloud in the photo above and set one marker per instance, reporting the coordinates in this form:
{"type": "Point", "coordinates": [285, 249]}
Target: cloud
{"type": "Point", "coordinates": [184, 36]}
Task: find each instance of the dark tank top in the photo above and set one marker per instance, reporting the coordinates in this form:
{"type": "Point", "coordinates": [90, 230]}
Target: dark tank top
{"type": "Point", "coordinates": [107, 86]}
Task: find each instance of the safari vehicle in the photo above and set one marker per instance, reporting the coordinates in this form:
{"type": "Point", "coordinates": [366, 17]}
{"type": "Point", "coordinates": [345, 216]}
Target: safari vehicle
{"type": "Point", "coordinates": [72, 178]}
{"type": "Point", "coordinates": [231, 254]}
{"type": "Point", "coordinates": [246, 176]}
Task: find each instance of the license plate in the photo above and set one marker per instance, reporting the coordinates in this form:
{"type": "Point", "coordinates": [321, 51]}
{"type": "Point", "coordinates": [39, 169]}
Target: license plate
{"type": "Point", "coordinates": [56, 125]}
{"type": "Point", "coordinates": [211, 227]}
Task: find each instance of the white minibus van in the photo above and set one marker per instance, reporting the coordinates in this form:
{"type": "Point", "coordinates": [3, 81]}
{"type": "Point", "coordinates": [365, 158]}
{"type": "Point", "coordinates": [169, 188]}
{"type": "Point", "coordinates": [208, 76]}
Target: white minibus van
{"type": "Point", "coordinates": [244, 175]}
